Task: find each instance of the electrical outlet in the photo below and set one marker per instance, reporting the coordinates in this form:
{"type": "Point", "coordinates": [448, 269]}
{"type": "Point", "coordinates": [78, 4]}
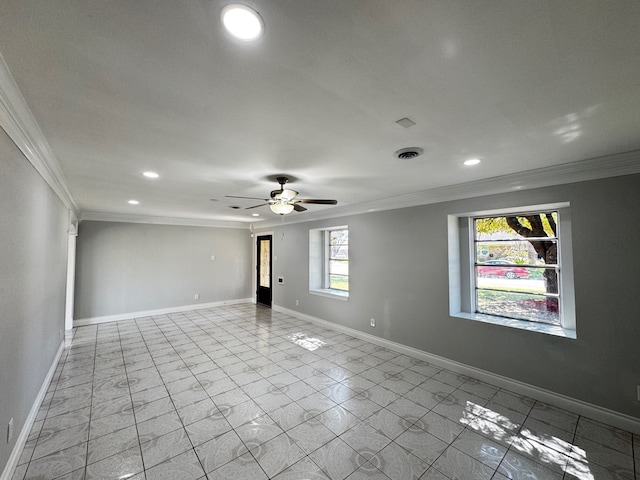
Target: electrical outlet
{"type": "Point", "coordinates": [213, 257]}
{"type": "Point", "coordinates": [297, 303]}
{"type": "Point", "coordinates": [196, 296]}
{"type": "Point", "coordinates": [10, 431]}
{"type": "Point", "coordinates": [373, 322]}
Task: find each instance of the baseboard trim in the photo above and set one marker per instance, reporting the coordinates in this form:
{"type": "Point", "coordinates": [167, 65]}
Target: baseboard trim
{"type": "Point", "coordinates": [601, 414]}
{"type": "Point", "coordinates": [160, 311]}
{"type": "Point", "coordinates": [12, 463]}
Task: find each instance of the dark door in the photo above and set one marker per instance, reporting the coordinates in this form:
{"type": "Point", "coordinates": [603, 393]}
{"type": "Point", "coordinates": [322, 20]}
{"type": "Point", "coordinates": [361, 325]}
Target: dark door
{"type": "Point", "coordinates": [263, 292]}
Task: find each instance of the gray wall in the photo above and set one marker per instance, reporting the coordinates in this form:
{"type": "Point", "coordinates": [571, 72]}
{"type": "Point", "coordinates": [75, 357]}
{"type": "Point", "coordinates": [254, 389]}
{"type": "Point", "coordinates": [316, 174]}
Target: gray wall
{"type": "Point", "coordinates": [126, 267]}
{"type": "Point", "coordinates": [399, 276]}
{"type": "Point", "coordinates": [33, 256]}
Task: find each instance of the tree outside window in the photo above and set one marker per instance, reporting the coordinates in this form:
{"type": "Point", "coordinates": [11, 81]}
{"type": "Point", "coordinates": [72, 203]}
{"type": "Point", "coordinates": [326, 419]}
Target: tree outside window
{"type": "Point", "coordinates": [516, 266]}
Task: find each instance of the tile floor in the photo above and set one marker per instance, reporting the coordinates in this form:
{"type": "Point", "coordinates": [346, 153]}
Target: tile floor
{"type": "Point", "coordinates": [243, 392]}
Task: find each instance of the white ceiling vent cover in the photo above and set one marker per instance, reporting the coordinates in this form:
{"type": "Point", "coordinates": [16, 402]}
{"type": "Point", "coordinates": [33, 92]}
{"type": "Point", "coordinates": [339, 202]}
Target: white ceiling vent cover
{"type": "Point", "coordinates": [405, 122]}
{"type": "Point", "coordinates": [409, 153]}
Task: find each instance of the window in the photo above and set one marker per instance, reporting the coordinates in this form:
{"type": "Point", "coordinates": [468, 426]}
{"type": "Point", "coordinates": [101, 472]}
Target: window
{"type": "Point", "coordinates": [338, 259]}
{"type": "Point", "coordinates": [514, 268]}
{"type": "Point", "coordinates": [329, 262]}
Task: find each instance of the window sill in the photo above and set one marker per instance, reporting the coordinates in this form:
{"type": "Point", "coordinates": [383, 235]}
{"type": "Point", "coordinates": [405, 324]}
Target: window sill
{"type": "Point", "coordinates": [519, 324]}
{"type": "Point", "coordinates": [327, 292]}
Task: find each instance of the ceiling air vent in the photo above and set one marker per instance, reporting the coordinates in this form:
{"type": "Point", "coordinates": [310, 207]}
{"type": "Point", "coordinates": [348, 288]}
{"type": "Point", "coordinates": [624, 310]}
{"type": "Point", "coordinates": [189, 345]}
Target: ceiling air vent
{"type": "Point", "coordinates": [408, 153]}
{"type": "Point", "coordinates": [405, 122]}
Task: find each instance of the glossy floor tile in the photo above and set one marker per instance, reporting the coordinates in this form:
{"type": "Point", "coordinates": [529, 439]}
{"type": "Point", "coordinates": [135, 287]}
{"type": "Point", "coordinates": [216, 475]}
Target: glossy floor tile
{"type": "Point", "coordinates": [243, 392]}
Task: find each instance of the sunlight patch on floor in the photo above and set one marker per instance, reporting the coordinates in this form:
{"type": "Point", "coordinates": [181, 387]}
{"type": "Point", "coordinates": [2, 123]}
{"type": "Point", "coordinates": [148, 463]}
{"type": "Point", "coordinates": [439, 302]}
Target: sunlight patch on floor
{"type": "Point", "coordinates": [545, 449]}
{"type": "Point", "coordinates": [305, 341]}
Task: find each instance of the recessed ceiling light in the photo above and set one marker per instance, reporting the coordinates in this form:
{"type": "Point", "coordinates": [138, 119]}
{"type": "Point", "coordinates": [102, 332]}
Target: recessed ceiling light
{"type": "Point", "coordinates": [150, 174]}
{"type": "Point", "coordinates": [134, 202]}
{"type": "Point", "coordinates": [255, 214]}
{"type": "Point", "coordinates": [242, 22]}
{"type": "Point", "coordinates": [472, 161]}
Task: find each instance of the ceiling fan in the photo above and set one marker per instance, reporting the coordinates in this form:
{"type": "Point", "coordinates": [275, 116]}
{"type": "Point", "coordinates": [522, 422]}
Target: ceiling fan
{"type": "Point", "coordinates": [284, 200]}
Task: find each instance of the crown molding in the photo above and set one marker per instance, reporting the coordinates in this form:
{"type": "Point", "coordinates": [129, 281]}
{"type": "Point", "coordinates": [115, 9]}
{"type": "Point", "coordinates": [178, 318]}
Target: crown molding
{"type": "Point", "coordinates": [158, 220]}
{"type": "Point", "coordinates": [627, 163]}
{"type": "Point", "coordinates": [18, 121]}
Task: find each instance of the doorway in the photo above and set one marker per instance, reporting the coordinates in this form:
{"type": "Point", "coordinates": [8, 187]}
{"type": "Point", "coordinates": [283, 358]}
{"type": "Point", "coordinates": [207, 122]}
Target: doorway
{"type": "Point", "coordinates": [263, 266]}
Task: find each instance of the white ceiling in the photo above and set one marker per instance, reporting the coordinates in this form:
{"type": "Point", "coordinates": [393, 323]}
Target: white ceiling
{"type": "Point", "coordinates": [120, 86]}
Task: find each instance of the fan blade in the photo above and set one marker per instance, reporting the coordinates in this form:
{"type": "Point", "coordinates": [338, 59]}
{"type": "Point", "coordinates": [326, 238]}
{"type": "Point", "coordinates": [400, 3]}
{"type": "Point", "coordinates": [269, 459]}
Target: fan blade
{"type": "Point", "coordinates": [249, 198]}
{"type": "Point", "coordinates": [317, 201]}
{"type": "Point", "coordinates": [299, 208]}
{"type": "Point", "coordinates": [256, 206]}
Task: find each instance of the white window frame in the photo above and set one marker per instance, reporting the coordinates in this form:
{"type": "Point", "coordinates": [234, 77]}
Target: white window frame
{"type": "Point", "coordinates": [462, 278]}
{"type": "Point", "coordinates": [319, 243]}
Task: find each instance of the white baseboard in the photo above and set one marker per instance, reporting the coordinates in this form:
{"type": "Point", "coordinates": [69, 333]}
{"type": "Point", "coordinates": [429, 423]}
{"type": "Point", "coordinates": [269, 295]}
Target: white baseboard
{"type": "Point", "coordinates": [12, 463]}
{"type": "Point", "coordinates": [595, 412]}
{"type": "Point", "coordinates": [161, 311]}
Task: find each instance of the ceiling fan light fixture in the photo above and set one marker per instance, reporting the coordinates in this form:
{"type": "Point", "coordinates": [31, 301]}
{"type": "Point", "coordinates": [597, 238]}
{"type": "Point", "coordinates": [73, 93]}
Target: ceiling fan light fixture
{"type": "Point", "coordinates": [242, 22]}
{"type": "Point", "coordinates": [281, 208]}
{"type": "Point", "coordinates": [287, 194]}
